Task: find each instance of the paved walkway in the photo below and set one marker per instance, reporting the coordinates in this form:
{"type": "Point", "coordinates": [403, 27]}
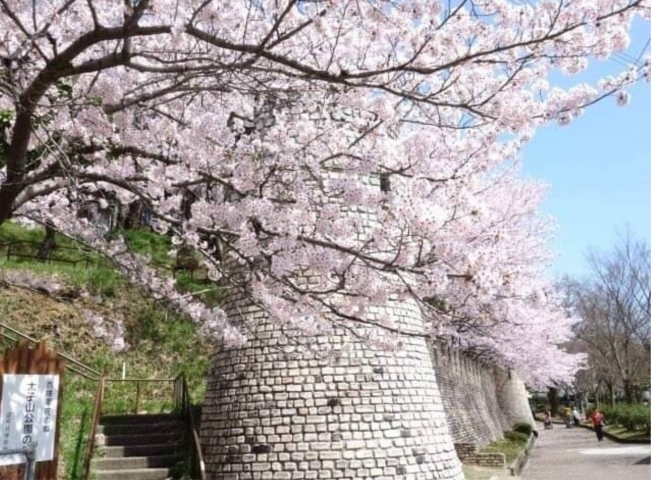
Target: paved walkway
{"type": "Point", "coordinates": [575, 454]}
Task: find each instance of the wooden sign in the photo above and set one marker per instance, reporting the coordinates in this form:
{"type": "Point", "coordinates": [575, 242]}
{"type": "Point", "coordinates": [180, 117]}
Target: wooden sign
{"type": "Point", "coordinates": [29, 368]}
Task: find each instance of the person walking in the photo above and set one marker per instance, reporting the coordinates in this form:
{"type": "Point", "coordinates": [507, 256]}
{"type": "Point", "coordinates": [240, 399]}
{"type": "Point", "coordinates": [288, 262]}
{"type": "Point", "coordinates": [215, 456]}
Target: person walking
{"type": "Point", "coordinates": [576, 416]}
{"type": "Point", "coordinates": [567, 416]}
{"type": "Point", "coordinates": [547, 421]}
{"type": "Point", "coordinates": [598, 424]}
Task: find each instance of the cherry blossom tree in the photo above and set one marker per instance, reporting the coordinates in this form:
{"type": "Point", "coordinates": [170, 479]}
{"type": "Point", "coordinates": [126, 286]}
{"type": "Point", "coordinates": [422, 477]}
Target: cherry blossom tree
{"type": "Point", "coordinates": [371, 146]}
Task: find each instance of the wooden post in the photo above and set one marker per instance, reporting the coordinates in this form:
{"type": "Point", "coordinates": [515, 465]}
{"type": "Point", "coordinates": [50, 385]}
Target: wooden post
{"type": "Point", "coordinates": [137, 407]}
{"type": "Point", "coordinates": [21, 359]}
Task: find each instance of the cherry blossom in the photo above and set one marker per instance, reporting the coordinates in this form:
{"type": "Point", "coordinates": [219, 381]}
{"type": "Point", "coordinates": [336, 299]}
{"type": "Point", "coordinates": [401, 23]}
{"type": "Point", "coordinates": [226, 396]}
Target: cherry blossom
{"type": "Point", "coordinates": [325, 157]}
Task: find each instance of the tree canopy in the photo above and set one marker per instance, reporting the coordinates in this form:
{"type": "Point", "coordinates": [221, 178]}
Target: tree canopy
{"type": "Point", "coordinates": [371, 147]}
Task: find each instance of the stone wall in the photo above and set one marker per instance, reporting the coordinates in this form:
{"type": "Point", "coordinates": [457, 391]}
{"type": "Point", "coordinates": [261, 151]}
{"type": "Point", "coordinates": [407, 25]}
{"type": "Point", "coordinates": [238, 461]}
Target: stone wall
{"type": "Point", "coordinates": [272, 412]}
{"type": "Point", "coordinates": [487, 459]}
{"type": "Point", "coordinates": [480, 400]}
{"type": "Point", "coordinates": [469, 397]}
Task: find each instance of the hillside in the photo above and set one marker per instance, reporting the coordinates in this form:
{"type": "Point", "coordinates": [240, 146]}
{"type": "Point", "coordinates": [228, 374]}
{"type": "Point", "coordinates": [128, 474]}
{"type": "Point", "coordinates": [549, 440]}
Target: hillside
{"type": "Point", "coordinates": [81, 306]}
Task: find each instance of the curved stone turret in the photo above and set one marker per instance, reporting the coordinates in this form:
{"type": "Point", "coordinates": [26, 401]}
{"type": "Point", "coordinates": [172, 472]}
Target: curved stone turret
{"type": "Point", "coordinates": [513, 398]}
{"type": "Point", "coordinates": [275, 409]}
{"type": "Point", "coordinates": [274, 412]}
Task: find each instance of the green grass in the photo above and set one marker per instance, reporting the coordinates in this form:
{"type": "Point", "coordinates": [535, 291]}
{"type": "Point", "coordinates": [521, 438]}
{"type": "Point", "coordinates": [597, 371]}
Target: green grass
{"type": "Point", "coordinates": [76, 417]}
{"type": "Point", "coordinates": [625, 434]}
{"type": "Point", "coordinates": [510, 446]}
{"type": "Point", "coordinates": [100, 280]}
{"type": "Point", "coordinates": [27, 240]}
{"type": "Point", "coordinates": [162, 344]}
{"type": "Point", "coordinates": [473, 472]}
{"type": "Point", "coordinates": [622, 433]}
{"type": "Point", "coordinates": [99, 275]}
{"type": "Point", "coordinates": [155, 246]}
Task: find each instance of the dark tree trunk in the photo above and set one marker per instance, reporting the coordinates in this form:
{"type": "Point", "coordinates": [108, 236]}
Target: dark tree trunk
{"type": "Point", "coordinates": [552, 396]}
{"type": "Point", "coordinates": [133, 216]}
{"type": "Point", "coordinates": [628, 391]}
{"type": "Point", "coordinates": [189, 198]}
{"type": "Point", "coordinates": [48, 244]}
{"type": "Point", "coordinates": [611, 393]}
{"type": "Point", "coordinates": [637, 394]}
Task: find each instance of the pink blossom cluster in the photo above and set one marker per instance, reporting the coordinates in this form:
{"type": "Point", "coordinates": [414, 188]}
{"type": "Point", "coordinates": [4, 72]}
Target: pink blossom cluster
{"type": "Point", "coordinates": [111, 330]}
{"type": "Point", "coordinates": [325, 157]}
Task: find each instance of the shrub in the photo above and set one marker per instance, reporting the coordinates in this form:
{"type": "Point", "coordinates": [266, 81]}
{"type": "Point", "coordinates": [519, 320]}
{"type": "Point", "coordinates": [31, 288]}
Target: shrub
{"type": "Point", "coordinates": [588, 412]}
{"type": "Point", "coordinates": [517, 437]}
{"type": "Point", "coordinates": [523, 427]}
{"type": "Point", "coordinates": [631, 417]}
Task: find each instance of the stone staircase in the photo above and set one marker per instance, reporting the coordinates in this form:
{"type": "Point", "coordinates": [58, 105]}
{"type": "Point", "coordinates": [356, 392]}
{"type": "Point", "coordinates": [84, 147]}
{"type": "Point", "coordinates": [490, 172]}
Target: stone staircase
{"type": "Point", "coordinates": [138, 447]}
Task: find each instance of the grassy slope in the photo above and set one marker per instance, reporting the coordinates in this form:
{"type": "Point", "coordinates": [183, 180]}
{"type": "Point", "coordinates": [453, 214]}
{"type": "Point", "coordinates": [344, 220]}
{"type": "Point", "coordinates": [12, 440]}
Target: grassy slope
{"type": "Point", "coordinates": [510, 447]}
{"type": "Point", "coordinates": [162, 344]}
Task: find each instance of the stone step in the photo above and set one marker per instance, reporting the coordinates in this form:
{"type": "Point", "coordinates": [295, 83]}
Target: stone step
{"type": "Point", "coordinates": [141, 450]}
{"type": "Point", "coordinates": [126, 428]}
{"type": "Point", "coordinates": [135, 463]}
{"type": "Point", "coordinates": [137, 419]}
{"type": "Point", "coordinates": [135, 474]}
{"type": "Point", "coordinates": [145, 439]}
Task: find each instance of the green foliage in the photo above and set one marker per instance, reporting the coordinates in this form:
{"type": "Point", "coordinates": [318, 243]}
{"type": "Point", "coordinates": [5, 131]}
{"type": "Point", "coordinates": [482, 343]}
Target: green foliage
{"type": "Point", "coordinates": [206, 292]}
{"type": "Point", "coordinates": [539, 404]}
{"type": "Point", "coordinates": [523, 427]}
{"type": "Point", "coordinates": [589, 411]}
{"type": "Point", "coordinates": [64, 91]}
{"type": "Point", "coordinates": [12, 232]}
{"type": "Point", "coordinates": [6, 116]}
{"type": "Point", "coordinates": [77, 411]}
{"type": "Point", "coordinates": [635, 417]}
{"type": "Point", "coordinates": [516, 437]}
{"type": "Point", "coordinates": [153, 245]}
{"type": "Point", "coordinates": [157, 247]}
{"type": "Point", "coordinates": [95, 101]}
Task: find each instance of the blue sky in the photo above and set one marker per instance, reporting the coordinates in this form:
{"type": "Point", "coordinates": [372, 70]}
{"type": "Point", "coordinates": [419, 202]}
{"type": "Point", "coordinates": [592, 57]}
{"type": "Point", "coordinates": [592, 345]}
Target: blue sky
{"type": "Point", "coordinates": [598, 168]}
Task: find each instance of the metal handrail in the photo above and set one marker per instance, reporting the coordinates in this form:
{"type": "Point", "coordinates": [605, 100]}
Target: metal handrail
{"type": "Point", "coordinates": [97, 411]}
{"type": "Point", "coordinates": [61, 247]}
{"type": "Point", "coordinates": [91, 373]}
{"type": "Point", "coordinates": [83, 253]}
{"type": "Point", "coordinates": [194, 442]}
{"type": "Point", "coordinates": [138, 382]}
{"type": "Point", "coordinates": [29, 452]}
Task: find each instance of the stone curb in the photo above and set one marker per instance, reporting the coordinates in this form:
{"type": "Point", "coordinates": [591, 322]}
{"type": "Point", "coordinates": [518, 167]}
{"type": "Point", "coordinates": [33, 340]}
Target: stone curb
{"type": "Point", "coordinates": [616, 439]}
{"type": "Point", "coordinates": [521, 461]}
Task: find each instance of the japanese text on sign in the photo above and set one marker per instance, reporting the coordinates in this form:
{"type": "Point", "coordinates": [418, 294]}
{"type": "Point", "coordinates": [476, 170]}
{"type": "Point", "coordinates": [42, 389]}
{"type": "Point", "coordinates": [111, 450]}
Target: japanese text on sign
{"type": "Point", "coordinates": [28, 415]}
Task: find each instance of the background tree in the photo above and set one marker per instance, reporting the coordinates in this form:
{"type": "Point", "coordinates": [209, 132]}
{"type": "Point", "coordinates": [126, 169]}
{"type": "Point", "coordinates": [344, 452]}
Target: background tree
{"type": "Point", "coordinates": [613, 303]}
